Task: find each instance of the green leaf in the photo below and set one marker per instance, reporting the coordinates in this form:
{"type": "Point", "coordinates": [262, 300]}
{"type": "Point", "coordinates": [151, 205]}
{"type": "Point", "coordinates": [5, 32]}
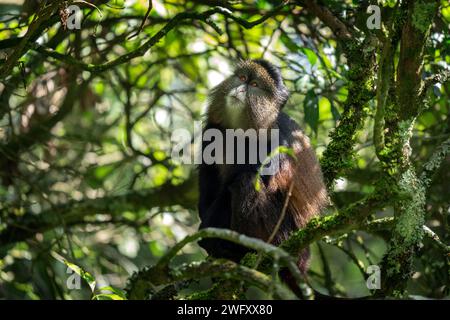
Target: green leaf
{"type": "Point", "coordinates": [159, 174]}
{"type": "Point", "coordinates": [286, 150]}
{"type": "Point", "coordinates": [159, 155]}
{"type": "Point", "coordinates": [95, 176]}
{"type": "Point", "coordinates": [311, 55]}
{"type": "Point", "coordinates": [86, 276]}
{"type": "Point", "coordinates": [276, 151]}
{"type": "Point", "coordinates": [107, 296]}
{"type": "Point", "coordinates": [289, 43]}
{"type": "Point", "coordinates": [311, 106]}
{"type": "Point", "coordinates": [103, 171]}
{"type": "Point", "coordinates": [115, 293]}
{"type": "Point", "coordinates": [327, 62]}
{"type": "Point", "coordinates": [324, 109]}
{"type": "Point", "coordinates": [258, 182]}
{"type": "Point", "coordinates": [155, 248]}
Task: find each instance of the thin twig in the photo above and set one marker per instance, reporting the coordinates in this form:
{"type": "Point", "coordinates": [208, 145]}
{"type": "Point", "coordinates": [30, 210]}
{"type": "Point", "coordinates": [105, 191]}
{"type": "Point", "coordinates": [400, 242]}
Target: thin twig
{"type": "Point", "coordinates": [283, 213]}
{"type": "Point", "coordinates": [150, 7]}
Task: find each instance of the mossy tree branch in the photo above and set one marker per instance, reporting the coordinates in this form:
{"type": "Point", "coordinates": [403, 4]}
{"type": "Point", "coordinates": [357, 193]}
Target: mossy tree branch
{"type": "Point", "coordinates": [342, 222]}
{"type": "Point", "coordinates": [339, 153]}
{"type": "Point", "coordinates": [399, 118]}
{"type": "Point", "coordinates": [434, 162]}
{"type": "Point", "coordinates": [160, 274]}
{"type": "Point", "coordinates": [384, 226]}
{"type": "Point", "coordinates": [386, 75]}
{"type": "Point", "coordinates": [146, 282]}
{"type": "Point", "coordinates": [351, 218]}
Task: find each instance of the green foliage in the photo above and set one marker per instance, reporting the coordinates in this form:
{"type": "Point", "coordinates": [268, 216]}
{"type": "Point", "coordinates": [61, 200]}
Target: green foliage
{"type": "Point", "coordinates": [423, 10]}
{"type": "Point", "coordinates": [87, 182]}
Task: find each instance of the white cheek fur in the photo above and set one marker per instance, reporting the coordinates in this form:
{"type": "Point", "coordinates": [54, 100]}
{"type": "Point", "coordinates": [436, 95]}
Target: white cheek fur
{"type": "Point", "coordinates": [234, 109]}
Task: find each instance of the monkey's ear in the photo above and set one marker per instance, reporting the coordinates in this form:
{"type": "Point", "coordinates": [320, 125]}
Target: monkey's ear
{"type": "Point", "coordinates": [283, 95]}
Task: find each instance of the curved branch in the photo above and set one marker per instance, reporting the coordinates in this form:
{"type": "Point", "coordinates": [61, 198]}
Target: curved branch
{"type": "Point", "coordinates": [34, 29]}
{"type": "Point", "coordinates": [338, 155]}
{"type": "Point", "coordinates": [175, 21]}
{"type": "Point", "coordinates": [143, 283]}
{"type": "Point", "coordinates": [338, 27]}
{"type": "Point", "coordinates": [274, 252]}
{"type": "Point", "coordinates": [434, 162]}
{"type": "Point", "coordinates": [350, 218]}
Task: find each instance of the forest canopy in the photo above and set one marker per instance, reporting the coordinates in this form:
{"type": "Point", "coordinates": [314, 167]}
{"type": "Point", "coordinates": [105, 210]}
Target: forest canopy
{"type": "Point", "coordinates": [93, 204]}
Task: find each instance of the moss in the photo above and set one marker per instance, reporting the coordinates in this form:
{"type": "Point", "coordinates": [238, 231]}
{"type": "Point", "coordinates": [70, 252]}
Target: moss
{"type": "Point", "coordinates": [339, 154]}
{"type": "Point", "coordinates": [408, 205]}
{"type": "Point", "coordinates": [249, 260]}
{"type": "Point", "coordinates": [409, 223]}
{"type": "Point", "coordinates": [202, 295]}
{"type": "Point", "coordinates": [434, 163]}
{"type": "Point", "coordinates": [396, 150]}
{"type": "Point", "coordinates": [226, 289]}
{"type": "Point", "coordinates": [411, 194]}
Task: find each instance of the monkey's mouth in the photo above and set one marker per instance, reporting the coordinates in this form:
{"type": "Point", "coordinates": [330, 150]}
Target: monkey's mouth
{"type": "Point", "coordinates": [236, 99]}
{"type": "Point", "coordinates": [239, 95]}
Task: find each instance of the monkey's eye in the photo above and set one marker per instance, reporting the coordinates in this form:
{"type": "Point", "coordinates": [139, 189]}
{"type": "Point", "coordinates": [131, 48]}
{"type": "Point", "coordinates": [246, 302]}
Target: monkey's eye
{"type": "Point", "coordinates": [254, 84]}
{"type": "Point", "coordinates": [243, 78]}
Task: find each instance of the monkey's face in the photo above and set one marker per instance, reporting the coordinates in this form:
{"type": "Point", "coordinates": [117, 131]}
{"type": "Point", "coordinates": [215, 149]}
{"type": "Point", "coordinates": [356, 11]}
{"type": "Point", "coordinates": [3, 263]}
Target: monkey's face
{"type": "Point", "coordinates": [251, 98]}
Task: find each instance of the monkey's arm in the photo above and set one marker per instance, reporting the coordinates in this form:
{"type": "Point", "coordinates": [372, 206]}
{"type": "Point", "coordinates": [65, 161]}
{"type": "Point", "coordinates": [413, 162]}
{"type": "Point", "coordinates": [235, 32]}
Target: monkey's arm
{"type": "Point", "coordinates": [215, 212]}
{"type": "Point", "coordinates": [208, 185]}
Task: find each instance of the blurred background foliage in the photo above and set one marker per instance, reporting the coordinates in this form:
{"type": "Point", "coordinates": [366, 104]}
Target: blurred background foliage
{"type": "Point", "coordinates": [87, 183]}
